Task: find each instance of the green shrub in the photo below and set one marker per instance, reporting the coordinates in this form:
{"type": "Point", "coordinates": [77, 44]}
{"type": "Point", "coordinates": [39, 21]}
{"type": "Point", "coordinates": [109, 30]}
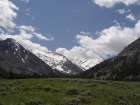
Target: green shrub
{"type": "Point", "coordinates": [131, 95]}
{"type": "Point", "coordinates": [47, 88]}
{"type": "Point", "coordinates": [55, 90]}
{"type": "Point", "coordinates": [17, 82]}
{"type": "Point", "coordinates": [49, 104]}
{"type": "Point", "coordinates": [2, 88]}
{"type": "Point", "coordinates": [33, 102]}
{"type": "Point", "coordinates": [138, 95]}
{"type": "Point", "coordinates": [1, 103]}
{"type": "Point", "coordinates": [86, 93]}
{"type": "Point", "coordinates": [39, 87]}
{"type": "Point", "coordinates": [2, 84]}
{"type": "Point", "coordinates": [124, 101]}
{"type": "Point", "coordinates": [71, 91]}
{"type": "Point", "coordinates": [9, 84]}
{"type": "Point", "coordinates": [103, 82]}
{"type": "Point", "coordinates": [84, 99]}
{"type": "Point", "coordinates": [71, 101]}
{"type": "Point", "coordinates": [14, 90]}
{"type": "Point", "coordinates": [121, 97]}
{"type": "Point", "coordinates": [3, 94]}
{"type": "Point", "coordinates": [94, 84]}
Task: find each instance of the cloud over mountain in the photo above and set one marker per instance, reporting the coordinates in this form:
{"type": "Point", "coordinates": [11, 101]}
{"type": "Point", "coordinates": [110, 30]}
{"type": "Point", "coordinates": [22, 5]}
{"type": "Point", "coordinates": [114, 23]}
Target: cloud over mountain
{"type": "Point", "coordinates": [26, 33]}
{"type": "Point", "coordinates": [109, 42]}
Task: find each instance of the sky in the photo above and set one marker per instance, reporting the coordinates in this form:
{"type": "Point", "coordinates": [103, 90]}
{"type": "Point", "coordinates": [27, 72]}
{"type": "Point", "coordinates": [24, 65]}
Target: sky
{"type": "Point", "coordinates": [78, 29]}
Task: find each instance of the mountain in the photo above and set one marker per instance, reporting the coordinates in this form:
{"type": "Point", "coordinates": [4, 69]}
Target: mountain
{"type": "Point", "coordinates": [126, 65]}
{"type": "Point", "coordinates": [89, 63]}
{"type": "Point", "coordinates": [14, 57]}
{"type": "Point", "coordinates": [58, 61]}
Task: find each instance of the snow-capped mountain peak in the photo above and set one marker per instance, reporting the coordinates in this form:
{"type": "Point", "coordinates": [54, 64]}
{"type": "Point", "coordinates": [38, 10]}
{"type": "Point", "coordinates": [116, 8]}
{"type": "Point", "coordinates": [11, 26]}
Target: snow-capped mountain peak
{"type": "Point", "coordinates": [58, 62]}
{"type": "Point", "coordinates": [14, 57]}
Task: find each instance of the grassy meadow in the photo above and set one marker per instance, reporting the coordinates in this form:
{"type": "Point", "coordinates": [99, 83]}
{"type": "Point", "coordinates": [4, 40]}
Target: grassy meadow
{"type": "Point", "coordinates": [57, 91]}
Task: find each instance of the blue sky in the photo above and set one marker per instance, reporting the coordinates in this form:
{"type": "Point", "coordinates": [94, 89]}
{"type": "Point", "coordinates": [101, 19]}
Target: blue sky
{"type": "Point", "coordinates": [78, 29]}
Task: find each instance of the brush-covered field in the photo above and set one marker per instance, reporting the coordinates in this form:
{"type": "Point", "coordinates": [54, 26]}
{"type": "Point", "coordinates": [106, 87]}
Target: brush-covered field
{"type": "Point", "coordinates": [57, 91]}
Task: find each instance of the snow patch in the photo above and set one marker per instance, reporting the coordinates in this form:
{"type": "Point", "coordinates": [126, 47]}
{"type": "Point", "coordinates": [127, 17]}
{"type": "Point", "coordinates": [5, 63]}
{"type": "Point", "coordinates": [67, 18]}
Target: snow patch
{"type": "Point", "coordinates": [89, 63]}
{"type": "Point", "coordinates": [22, 60]}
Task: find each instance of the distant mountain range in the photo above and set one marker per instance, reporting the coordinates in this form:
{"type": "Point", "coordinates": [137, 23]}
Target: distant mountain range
{"type": "Point", "coordinates": [14, 57]}
{"type": "Point", "coordinates": [124, 66]}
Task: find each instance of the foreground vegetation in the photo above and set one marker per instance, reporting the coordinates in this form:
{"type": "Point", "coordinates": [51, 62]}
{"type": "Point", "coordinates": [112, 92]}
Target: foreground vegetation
{"type": "Point", "coordinates": [54, 91]}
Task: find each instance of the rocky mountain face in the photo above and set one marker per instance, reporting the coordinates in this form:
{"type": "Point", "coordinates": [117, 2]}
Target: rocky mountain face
{"type": "Point", "coordinates": [58, 61]}
{"type": "Point", "coordinates": [126, 65]}
{"type": "Point", "coordinates": [14, 57]}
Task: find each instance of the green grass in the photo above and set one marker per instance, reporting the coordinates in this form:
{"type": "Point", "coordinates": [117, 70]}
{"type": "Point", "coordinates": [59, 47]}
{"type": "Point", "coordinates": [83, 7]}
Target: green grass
{"type": "Point", "coordinates": [57, 91]}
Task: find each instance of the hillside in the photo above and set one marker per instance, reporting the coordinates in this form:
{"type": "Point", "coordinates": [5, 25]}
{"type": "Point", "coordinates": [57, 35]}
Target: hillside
{"type": "Point", "coordinates": [126, 65]}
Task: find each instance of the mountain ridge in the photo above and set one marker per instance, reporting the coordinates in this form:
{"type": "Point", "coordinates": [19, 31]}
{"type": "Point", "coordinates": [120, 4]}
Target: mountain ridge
{"type": "Point", "coordinates": [14, 57]}
{"type": "Point", "coordinates": [124, 66]}
{"type": "Point", "coordinates": [55, 62]}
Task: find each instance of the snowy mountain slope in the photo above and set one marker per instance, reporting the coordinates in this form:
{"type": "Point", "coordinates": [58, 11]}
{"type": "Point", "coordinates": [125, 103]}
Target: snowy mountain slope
{"type": "Point", "coordinates": [89, 63]}
{"type": "Point", "coordinates": [58, 61]}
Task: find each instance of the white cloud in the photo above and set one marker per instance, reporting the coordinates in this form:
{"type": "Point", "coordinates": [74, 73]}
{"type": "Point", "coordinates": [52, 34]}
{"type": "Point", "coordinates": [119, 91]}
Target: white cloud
{"type": "Point", "coordinates": [25, 1]}
{"type": "Point", "coordinates": [28, 9]}
{"type": "Point", "coordinates": [33, 18]}
{"type": "Point", "coordinates": [108, 42]}
{"type": "Point", "coordinates": [111, 3]}
{"type": "Point", "coordinates": [27, 14]}
{"type": "Point", "coordinates": [31, 30]}
{"type": "Point", "coordinates": [131, 17]}
{"type": "Point", "coordinates": [128, 11]}
{"type": "Point", "coordinates": [27, 28]}
{"type": "Point", "coordinates": [43, 37]}
{"type": "Point", "coordinates": [123, 11]}
{"type": "Point", "coordinates": [24, 39]}
{"type": "Point", "coordinates": [1, 31]}
{"type": "Point", "coordinates": [77, 54]}
{"type": "Point", "coordinates": [7, 14]}
{"type": "Point", "coordinates": [26, 33]}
